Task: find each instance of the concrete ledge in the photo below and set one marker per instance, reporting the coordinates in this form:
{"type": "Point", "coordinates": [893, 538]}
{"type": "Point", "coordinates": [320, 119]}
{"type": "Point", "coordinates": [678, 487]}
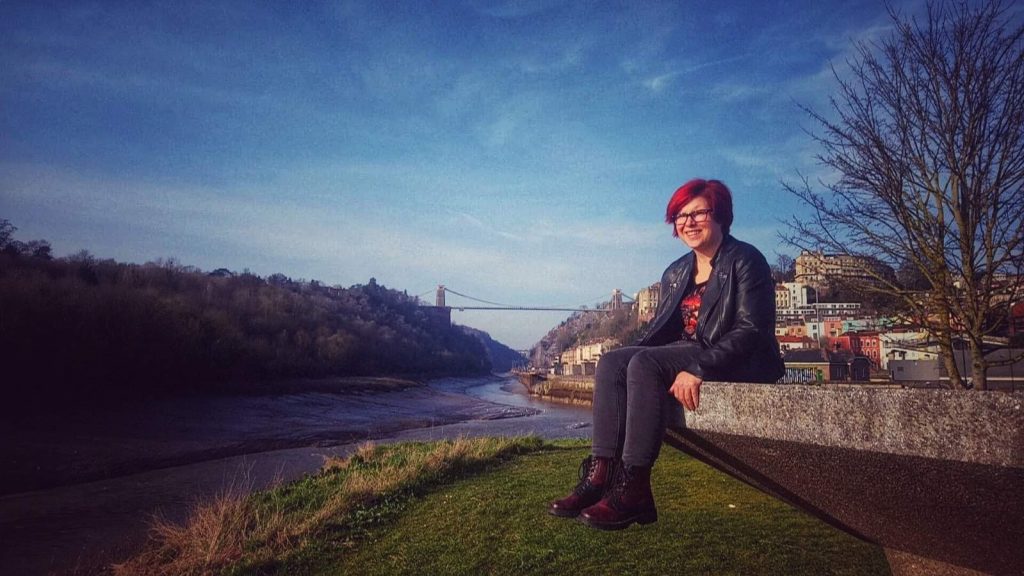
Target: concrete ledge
{"type": "Point", "coordinates": [935, 477]}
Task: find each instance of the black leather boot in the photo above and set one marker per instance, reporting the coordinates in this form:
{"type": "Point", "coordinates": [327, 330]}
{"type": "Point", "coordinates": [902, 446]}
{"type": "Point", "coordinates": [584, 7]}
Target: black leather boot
{"type": "Point", "coordinates": [595, 475]}
{"type": "Point", "coordinates": [628, 500]}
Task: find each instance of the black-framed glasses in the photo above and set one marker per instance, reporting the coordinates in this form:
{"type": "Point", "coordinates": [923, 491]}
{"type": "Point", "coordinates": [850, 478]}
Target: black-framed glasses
{"type": "Point", "coordinates": [698, 216]}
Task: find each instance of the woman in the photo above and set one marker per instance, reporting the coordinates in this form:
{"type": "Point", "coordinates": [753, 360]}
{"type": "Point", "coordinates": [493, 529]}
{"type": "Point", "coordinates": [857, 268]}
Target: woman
{"type": "Point", "coordinates": [715, 321]}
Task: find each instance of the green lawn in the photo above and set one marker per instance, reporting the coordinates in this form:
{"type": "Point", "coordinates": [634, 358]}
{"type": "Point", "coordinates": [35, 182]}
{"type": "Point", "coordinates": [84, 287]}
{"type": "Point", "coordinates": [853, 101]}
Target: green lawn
{"type": "Point", "coordinates": [487, 515]}
{"type": "Point", "coordinates": [496, 523]}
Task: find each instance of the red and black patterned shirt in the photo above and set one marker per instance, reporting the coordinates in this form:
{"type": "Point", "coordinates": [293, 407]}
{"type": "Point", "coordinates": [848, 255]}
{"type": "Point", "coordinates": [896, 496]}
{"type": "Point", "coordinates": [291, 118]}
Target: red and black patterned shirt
{"type": "Point", "coordinates": [690, 308]}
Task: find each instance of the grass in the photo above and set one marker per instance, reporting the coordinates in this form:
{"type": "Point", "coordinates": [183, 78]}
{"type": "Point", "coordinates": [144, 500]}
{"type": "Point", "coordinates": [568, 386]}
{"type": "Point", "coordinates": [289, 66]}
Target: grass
{"type": "Point", "coordinates": [478, 507]}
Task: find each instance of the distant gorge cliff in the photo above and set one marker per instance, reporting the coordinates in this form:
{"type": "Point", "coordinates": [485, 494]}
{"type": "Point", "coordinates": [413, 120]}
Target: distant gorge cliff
{"type": "Point", "coordinates": [621, 325]}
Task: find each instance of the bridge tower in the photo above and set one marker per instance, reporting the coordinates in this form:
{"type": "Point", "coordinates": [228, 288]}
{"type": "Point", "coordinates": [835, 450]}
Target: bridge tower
{"type": "Point", "coordinates": [439, 302]}
{"type": "Point", "coordinates": [616, 299]}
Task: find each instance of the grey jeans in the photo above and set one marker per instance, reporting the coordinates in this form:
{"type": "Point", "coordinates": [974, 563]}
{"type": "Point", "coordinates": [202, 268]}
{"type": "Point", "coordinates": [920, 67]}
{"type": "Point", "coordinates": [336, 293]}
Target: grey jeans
{"type": "Point", "coordinates": [632, 404]}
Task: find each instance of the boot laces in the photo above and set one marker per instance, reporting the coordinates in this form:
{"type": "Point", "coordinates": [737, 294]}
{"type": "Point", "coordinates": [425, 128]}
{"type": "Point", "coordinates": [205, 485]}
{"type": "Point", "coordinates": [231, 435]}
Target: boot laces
{"type": "Point", "coordinates": [623, 476]}
{"type": "Point", "coordinates": [585, 472]}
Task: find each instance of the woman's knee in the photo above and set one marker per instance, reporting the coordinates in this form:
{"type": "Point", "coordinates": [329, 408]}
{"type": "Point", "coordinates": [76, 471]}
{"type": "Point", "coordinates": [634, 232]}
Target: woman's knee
{"type": "Point", "coordinates": [643, 366]}
{"type": "Point", "coordinates": [611, 364]}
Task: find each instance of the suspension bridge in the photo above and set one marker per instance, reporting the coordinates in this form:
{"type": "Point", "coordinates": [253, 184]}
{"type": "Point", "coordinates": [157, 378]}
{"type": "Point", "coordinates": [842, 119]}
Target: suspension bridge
{"type": "Point", "coordinates": [440, 301]}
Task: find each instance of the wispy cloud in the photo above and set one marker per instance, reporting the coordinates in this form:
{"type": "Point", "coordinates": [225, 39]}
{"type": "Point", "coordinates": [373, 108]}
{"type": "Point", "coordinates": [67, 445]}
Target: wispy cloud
{"type": "Point", "coordinates": [478, 224]}
{"type": "Point", "coordinates": [520, 151]}
{"type": "Point", "coordinates": [660, 82]}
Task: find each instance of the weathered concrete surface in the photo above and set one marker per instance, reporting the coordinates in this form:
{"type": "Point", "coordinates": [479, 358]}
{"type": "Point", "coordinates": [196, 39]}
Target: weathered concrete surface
{"type": "Point", "coordinates": [935, 477]}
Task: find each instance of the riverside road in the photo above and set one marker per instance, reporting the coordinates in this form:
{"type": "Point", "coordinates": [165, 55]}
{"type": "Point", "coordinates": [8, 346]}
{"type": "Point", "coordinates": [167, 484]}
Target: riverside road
{"type": "Point", "coordinates": [172, 455]}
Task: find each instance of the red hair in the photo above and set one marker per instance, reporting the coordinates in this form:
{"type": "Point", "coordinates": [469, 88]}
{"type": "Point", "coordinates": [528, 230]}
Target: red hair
{"type": "Point", "coordinates": [717, 195]}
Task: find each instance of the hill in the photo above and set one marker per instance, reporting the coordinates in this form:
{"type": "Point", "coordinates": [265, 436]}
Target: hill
{"type": "Point", "coordinates": [502, 357]}
{"type": "Point", "coordinates": [81, 328]}
{"type": "Point", "coordinates": [581, 327]}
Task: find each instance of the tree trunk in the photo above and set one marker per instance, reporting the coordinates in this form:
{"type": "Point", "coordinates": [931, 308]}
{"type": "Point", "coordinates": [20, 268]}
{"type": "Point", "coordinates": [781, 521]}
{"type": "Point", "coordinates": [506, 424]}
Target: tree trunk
{"type": "Point", "coordinates": [979, 368]}
{"type": "Point", "coordinates": [946, 351]}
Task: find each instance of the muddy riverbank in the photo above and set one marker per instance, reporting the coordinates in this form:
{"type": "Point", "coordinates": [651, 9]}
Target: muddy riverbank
{"type": "Point", "coordinates": [73, 523]}
{"type": "Point", "coordinates": [86, 443]}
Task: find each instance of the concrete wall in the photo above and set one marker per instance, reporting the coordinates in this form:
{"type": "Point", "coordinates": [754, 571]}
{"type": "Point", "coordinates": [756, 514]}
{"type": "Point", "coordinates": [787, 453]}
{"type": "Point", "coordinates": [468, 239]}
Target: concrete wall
{"type": "Point", "coordinates": [933, 476]}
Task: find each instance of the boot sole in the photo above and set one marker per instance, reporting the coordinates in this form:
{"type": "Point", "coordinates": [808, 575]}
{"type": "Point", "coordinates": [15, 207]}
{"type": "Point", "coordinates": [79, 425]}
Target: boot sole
{"type": "Point", "coordinates": [564, 513]}
{"type": "Point", "coordinates": [645, 518]}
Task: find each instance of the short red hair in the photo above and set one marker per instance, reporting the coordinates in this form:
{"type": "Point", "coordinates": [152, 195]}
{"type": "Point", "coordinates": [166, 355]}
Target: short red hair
{"type": "Point", "coordinates": [717, 195]}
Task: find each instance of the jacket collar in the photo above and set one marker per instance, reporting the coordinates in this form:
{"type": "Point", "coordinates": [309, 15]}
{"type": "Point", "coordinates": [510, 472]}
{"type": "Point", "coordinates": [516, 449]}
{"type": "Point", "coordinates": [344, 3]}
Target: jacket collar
{"type": "Point", "coordinates": [720, 269]}
{"type": "Point", "coordinates": [685, 266]}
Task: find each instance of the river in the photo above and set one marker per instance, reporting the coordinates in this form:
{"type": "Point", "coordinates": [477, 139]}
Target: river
{"type": "Point", "coordinates": [77, 500]}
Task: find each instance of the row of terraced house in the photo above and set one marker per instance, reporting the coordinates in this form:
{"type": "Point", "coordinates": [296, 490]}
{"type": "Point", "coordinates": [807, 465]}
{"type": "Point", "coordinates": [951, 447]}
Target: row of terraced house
{"type": "Point", "coordinates": [822, 341]}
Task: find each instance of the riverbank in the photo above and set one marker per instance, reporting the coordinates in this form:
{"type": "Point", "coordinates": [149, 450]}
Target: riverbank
{"type": "Point", "coordinates": [75, 444]}
{"type": "Point", "coordinates": [77, 528]}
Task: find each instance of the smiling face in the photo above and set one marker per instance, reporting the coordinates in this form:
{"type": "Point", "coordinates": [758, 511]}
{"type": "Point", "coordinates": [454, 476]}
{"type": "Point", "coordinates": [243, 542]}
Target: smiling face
{"type": "Point", "coordinates": [703, 237]}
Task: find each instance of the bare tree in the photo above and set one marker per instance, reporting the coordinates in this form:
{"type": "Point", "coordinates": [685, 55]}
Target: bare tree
{"type": "Point", "coordinates": [927, 144]}
{"type": "Point", "coordinates": [784, 268]}
{"type": "Point", "coordinates": [7, 231]}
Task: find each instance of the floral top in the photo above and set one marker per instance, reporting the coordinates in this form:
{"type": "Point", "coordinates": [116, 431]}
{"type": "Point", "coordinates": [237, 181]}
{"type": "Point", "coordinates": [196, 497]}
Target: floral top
{"type": "Point", "coordinates": [690, 308]}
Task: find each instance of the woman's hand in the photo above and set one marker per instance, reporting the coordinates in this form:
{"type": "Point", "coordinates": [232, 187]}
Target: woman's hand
{"type": "Point", "coordinates": [686, 390]}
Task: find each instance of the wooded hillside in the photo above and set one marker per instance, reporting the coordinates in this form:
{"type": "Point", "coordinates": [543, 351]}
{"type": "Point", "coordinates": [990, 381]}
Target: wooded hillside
{"type": "Point", "coordinates": [583, 327]}
{"type": "Point", "coordinates": [83, 327]}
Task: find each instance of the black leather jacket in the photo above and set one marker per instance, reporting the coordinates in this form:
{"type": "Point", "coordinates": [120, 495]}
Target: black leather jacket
{"type": "Point", "coordinates": [736, 323]}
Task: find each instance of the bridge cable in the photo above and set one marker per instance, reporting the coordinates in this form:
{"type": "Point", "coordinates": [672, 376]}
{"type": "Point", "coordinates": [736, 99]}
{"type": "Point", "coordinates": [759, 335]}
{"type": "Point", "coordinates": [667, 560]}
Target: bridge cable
{"type": "Point", "coordinates": [447, 289]}
{"type": "Point", "coordinates": [580, 307]}
{"type": "Point", "coordinates": [609, 300]}
{"type": "Point", "coordinates": [597, 300]}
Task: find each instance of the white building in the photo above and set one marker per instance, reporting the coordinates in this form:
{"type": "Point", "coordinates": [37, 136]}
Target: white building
{"type": "Point", "coordinates": [800, 294]}
{"type": "Point", "coordinates": [582, 360]}
{"type": "Point", "coordinates": [905, 345]}
{"type": "Point", "coordinates": [841, 309]}
{"type": "Point", "coordinates": [815, 329]}
{"type": "Point", "coordinates": [647, 302]}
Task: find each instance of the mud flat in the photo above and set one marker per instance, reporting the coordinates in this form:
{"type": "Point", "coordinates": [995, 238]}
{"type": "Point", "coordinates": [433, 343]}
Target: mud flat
{"type": "Point", "coordinates": [92, 480]}
{"type": "Point", "coordinates": [69, 445]}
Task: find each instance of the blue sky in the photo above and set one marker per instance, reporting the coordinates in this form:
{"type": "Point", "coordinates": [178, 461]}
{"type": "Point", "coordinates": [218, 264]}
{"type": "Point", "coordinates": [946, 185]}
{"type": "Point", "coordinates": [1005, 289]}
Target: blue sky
{"type": "Point", "coordinates": [520, 152]}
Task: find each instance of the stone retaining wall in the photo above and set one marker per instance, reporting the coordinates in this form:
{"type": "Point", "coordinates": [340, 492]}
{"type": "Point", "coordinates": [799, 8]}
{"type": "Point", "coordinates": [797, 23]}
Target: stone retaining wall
{"type": "Point", "coordinates": [933, 476]}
